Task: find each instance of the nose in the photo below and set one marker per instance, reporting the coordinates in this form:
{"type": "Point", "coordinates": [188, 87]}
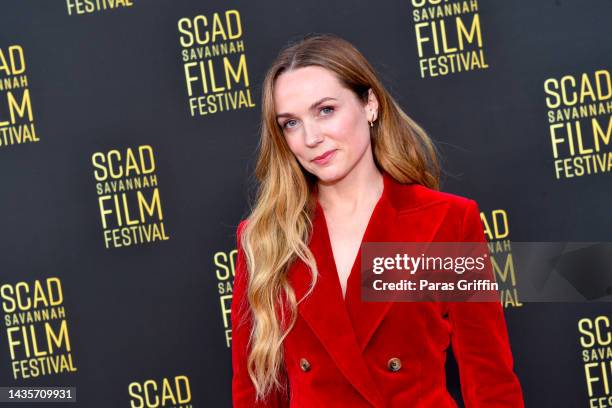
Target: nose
{"type": "Point", "coordinates": [312, 134]}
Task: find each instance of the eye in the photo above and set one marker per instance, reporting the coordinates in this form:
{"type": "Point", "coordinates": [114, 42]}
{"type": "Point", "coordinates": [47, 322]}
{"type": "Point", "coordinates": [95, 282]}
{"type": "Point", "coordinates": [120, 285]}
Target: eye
{"type": "Point", "coordinates": [287, 123]}
{"type": "Point", "coordinates": [331, 109]}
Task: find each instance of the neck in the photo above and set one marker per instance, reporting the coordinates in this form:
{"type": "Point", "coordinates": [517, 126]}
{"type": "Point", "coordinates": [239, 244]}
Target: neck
{"type": "Point", "coordinates": [357, 189]}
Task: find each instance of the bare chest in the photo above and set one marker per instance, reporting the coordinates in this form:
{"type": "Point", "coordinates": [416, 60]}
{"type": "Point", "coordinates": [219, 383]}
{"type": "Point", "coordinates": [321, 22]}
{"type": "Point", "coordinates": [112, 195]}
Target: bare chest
{"type": "Point", "coordinates": [345, 237]}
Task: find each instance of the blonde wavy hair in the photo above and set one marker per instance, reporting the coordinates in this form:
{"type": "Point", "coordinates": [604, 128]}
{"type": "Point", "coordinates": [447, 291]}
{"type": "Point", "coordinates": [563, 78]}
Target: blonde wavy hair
{"type": "Point", "coordinates": [278, 228]}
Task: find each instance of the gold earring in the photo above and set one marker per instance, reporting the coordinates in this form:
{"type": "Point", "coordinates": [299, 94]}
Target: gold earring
{"type": "Point", "coordinates": [371, 124]}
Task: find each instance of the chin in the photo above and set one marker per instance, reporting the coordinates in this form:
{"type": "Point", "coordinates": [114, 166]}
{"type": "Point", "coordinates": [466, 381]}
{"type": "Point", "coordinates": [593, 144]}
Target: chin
{"type": "Point", "coordinates": [329, 175]}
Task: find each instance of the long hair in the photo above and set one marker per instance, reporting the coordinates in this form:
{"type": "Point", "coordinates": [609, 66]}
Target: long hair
{"type": "Point", "coordinates": [280, 222]}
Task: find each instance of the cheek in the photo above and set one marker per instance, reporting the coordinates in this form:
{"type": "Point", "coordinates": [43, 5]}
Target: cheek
{"type": "Point", "coordinates": [295, 145]}
{"type": "Point", "coordinates": [349, 130]}
{"type": "Point", "coordinates": [341, 127]}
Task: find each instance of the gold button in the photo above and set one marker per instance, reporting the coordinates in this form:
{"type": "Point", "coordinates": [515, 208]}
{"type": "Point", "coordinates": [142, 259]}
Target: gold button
{"type": "Point", "coordinates": [394, 364]}
{"type": "Point", "coordinates": [304, 365]}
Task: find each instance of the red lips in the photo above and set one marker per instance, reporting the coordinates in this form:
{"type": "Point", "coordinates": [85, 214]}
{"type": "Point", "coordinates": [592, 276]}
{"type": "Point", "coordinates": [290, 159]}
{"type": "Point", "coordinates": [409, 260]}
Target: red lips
{"type": "Point", "coordinates": [324, 155]}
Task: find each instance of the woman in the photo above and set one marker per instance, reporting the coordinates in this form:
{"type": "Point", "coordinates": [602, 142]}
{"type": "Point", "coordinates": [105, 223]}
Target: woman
{"type": "Point", "coordinates": [341, 164]}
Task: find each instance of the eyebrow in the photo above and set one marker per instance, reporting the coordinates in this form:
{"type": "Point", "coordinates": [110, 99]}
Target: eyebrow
{"type": "Point", "coordinates": [314, 105]}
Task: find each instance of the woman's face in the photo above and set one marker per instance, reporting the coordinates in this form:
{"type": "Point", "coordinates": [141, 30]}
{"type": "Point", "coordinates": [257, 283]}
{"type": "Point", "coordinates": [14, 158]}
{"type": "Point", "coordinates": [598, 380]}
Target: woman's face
{"type": "Point", "coordinates": [318, 115]}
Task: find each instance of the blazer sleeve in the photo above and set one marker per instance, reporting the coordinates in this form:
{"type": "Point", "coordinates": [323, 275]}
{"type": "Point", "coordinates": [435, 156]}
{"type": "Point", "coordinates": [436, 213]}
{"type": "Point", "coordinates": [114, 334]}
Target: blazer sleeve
{"type": "Point", "coordinates": [480, 341]}
{"type": "Point", "coordinates": [243, 390]}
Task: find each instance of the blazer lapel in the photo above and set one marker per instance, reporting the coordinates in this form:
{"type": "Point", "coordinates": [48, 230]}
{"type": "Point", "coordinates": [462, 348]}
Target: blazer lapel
{"type": "Point", "coordinates": [345, 327]}
{"type": "Point", "coordinates": [389, 225]}
{"type": "Point", "coordinates": [324, 311]}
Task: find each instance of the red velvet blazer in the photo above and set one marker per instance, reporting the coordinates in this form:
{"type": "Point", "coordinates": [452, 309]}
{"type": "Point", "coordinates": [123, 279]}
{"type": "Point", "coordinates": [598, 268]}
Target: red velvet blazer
{"type": "Point", "coordinates": [349, 353]}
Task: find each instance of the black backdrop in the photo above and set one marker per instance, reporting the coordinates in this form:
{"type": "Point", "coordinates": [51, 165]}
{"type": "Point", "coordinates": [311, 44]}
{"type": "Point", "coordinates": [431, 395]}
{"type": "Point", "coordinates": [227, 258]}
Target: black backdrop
{"type": "Point", "coordinates": [157, 312]}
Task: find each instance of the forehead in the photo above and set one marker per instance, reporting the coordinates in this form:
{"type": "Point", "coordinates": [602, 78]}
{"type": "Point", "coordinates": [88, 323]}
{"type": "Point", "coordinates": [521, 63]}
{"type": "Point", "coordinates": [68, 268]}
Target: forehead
{"type": "Point", "coordinates": [295, 90]}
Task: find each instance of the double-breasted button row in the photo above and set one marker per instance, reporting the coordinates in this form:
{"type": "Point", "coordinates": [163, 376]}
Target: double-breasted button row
{"type": "Point", "coordinates": [394, 364]}
{"type": "Point", "coordinates": [304, 364]}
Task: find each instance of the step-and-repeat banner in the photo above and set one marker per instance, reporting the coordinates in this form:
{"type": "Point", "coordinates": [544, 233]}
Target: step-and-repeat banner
{"type": "Point", "coordinates": [128, 132]}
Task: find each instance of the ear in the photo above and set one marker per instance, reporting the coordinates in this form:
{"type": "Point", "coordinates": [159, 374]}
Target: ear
{"type": "Point", "coordinates": [371, 106]}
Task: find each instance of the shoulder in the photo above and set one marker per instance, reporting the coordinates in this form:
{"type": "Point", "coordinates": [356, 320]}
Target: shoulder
{"type": "Point", "coordinates": [239, 229]}
{"type": "Point", "coordinates": [415, 197]}
{"type": "Point", "coordinates": [242, 224]}
{"type": "Point", "coordinates": [459, 214]}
